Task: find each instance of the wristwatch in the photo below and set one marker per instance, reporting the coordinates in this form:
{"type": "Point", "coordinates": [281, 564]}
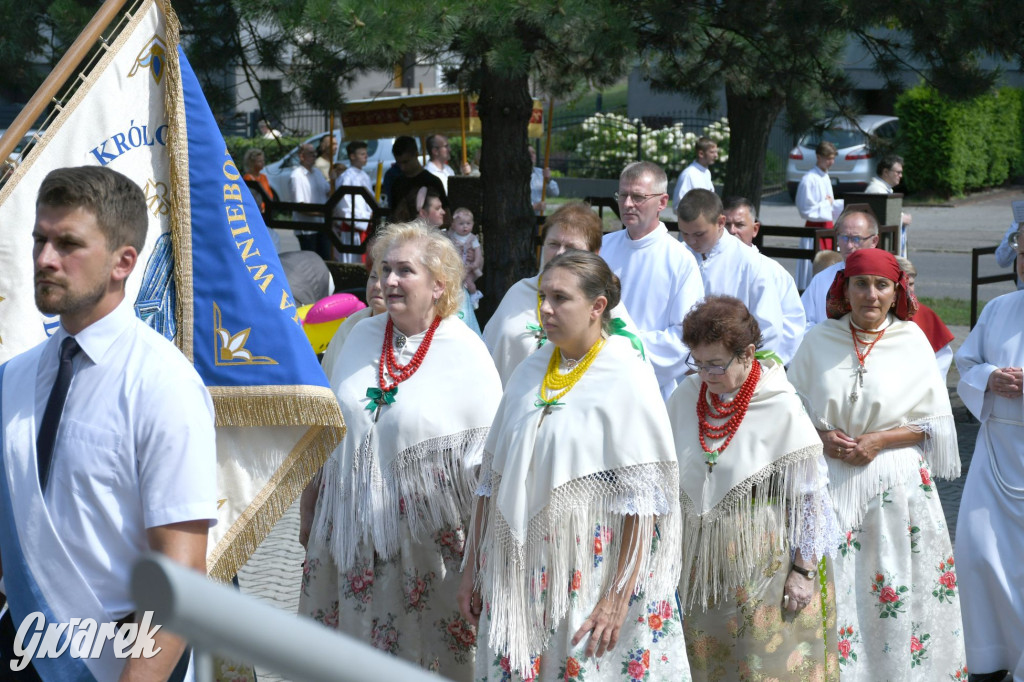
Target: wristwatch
{"type": "Point", "coordinates": [809, 573]}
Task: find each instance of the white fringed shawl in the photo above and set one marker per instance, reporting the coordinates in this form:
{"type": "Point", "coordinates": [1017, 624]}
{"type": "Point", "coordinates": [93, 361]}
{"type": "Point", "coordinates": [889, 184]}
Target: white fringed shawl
{"type": "Point", "coordinates": [901, 388]}
{"type": "Point", "coordinates": [752, 502]}
{"type": "Point", "coordinates": [602, 456]}
{"type": "Point", "coordinates": [421, 454]}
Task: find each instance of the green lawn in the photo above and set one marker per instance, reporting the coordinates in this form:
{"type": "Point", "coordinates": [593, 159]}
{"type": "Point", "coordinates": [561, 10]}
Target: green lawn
{"type": "Point", "coordinates": [953, 311]}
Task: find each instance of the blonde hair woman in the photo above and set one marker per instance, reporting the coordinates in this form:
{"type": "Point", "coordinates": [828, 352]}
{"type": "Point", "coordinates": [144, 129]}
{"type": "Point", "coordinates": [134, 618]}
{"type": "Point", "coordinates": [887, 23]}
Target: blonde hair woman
{"type": "Point", "coordinates": [418, 392]}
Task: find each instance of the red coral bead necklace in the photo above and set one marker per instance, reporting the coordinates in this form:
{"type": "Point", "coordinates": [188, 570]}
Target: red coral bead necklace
{"type": "Point", "coordinates": [732, 411]}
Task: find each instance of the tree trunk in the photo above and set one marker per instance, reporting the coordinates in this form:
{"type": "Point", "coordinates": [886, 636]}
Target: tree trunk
{"type": "Point", "coordinates": [750, 123]}
{"type": "Point", "coordinates": [508, 221]}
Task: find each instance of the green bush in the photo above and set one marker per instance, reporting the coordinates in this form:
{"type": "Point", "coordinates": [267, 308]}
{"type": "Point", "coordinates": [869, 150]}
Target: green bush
{"type": "Point", "coordinates": [455, 147]}
{"type": "Point", "coordinates": [954, 146]}
{"type": "Point", "coordinates": [272, 149]}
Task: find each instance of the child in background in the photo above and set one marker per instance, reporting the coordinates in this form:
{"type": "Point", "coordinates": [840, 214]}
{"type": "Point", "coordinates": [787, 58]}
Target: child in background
{"type": "Point", "coordinates": [469, 247]}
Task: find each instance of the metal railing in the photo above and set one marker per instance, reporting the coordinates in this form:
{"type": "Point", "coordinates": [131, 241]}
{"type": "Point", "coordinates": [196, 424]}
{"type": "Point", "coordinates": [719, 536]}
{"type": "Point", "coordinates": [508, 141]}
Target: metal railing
{"type": "Point", "coordinates": [323, 213]}
{"type": "Point", "coordinates": [979, 280]}
{"type": "Point", "coordinates": [217, 619]}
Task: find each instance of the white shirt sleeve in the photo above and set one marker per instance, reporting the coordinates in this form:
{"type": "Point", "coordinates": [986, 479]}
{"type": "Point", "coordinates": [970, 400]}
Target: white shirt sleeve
{"type": "Point", "coordinates": [665, 348]}
{"type": "Point", "coordinates": [974, 370]}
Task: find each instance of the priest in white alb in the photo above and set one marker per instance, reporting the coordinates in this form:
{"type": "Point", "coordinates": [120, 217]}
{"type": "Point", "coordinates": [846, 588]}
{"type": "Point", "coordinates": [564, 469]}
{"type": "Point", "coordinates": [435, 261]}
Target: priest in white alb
{"type": "Point", "coordinates": [990, 526]}
{"type": "Point", "coordinates": [660, 278]}
{"type": "Point", "coordinates": [741, 222]}
{"type": "Point", "coordinates": [814, 202]}
{"type": "Point", "coordinates": [729, 268]}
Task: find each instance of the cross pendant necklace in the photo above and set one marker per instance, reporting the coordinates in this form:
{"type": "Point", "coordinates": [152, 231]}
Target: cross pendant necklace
{"type": "Point", "coordinates": [381, 402]}
{"type": "Point", "coordinates": [543, 414]}
{"type": "Point", "coordinates": [861, 371]}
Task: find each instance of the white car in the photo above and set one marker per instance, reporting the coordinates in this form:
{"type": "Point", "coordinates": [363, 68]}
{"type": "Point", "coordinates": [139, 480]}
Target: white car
{"type": "Point", "coordinates": [378, 152]}
{"type": "Point", "coordinates": [15, 156]}
{"type": "Point", "coordinates": [859, 144]}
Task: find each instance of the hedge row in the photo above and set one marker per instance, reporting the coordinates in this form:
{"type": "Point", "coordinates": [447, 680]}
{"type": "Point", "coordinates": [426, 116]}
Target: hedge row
{"type": "Point", "coordinates": [954, 146]}
{"type": "Point", "coordinates": [272, 149]}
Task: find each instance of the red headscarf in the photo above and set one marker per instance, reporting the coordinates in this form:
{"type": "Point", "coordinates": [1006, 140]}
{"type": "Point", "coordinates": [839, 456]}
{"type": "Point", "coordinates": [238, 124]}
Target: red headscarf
{"type": "Point", "coordinates": [876, 262]}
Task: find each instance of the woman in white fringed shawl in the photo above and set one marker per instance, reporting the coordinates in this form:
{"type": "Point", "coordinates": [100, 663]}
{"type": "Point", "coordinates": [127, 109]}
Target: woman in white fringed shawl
{"type": "Point", "coordinates": [577, 525]}
{"type": "Point", "coordinates": [757, 518]}
{"type": "Point", "coordinates": [418, 391]}
{"type": "Point", "coordinates": [867, 377]}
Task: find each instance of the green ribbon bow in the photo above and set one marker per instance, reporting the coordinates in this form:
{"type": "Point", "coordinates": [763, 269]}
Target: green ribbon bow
{"type": "Point", "coordinates": [619, 327]}
{"type": "Point", "coordinates": [538, 333]}
{"type": "Point", "coordinates": [768, 355]}
{"type": "Point", "coordinates": [540, 402]}
{"type": "Point", "coordinates": [379, 397]}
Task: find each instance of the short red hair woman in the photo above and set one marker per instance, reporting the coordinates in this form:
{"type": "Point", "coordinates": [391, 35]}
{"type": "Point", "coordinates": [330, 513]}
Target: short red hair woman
{"type": "Point", "coordinates": [757, 518]}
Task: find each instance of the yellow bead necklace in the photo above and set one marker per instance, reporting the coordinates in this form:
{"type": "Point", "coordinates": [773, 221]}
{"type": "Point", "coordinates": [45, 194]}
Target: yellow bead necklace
{"type": "Point", "coordinates": [562, 383]}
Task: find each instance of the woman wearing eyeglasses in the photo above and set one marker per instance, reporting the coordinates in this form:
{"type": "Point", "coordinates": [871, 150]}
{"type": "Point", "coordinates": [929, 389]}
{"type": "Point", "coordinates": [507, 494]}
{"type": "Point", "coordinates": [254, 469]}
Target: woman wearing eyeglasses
{"type": "Point", "coordinates": [867, 377]}
{"type": "Point", "coordinates": [757, 518]}
{"type": "Point", "coordinates": [576, 552]}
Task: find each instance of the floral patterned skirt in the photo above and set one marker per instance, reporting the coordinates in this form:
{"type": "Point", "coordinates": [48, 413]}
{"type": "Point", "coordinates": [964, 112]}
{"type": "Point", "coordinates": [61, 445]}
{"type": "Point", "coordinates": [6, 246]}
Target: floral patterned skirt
{"type": "Point", "coordinates": [405, 606]}
{"type": "Point", "coordinates": [650, 647]}
{"type": "Point", "coordinates": [748, 636]}
{"type": "Point", "coordinates": [898, 602]}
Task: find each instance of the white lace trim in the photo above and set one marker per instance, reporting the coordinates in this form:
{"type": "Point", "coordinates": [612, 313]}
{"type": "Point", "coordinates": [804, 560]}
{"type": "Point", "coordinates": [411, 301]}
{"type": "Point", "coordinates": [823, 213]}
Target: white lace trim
{"type": "Point", "coordinates": [818, 529]}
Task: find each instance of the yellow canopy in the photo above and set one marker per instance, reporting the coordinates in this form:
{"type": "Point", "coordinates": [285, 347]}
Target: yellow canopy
{"type": "Point", "coordinates": [419, 115]}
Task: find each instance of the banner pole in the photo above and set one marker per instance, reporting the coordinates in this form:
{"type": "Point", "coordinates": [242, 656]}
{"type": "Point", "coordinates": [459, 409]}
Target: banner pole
{"type": "Point", "coordinates": [462, 120]}
{"type": "Point", "coordinates": [65, 69]}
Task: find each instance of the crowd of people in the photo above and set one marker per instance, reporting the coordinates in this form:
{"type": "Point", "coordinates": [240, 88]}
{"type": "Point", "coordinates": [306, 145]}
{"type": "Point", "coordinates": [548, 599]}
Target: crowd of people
{"type": "Point", "coordinates": [654, 463]}
{"type": "Point", "coordinates": [667, 465]}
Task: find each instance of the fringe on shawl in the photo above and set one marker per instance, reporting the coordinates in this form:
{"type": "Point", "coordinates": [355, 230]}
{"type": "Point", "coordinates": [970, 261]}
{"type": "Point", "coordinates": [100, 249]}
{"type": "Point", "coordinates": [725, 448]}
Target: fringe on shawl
{"type": "Point", "coordinates": [852, 487]}
{"type": "Point", "coordinates": [528, 580]}
{"type": "Point", "coordinates": [724, 546]}
{"type": "Point", "coordinates": [428, 481]}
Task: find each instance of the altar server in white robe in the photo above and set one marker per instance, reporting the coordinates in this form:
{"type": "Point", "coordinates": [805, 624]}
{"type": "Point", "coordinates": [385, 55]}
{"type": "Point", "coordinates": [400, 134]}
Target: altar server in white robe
{"type": "Point", "coordinates": [741, 222]}
{"type": "Point", "coordinates": [660, 278]}
{"type": "Point", "coordinates": [814, 201]}
{"type": "Point", "coordinates": [855, 229]}
{"type": "Point", "coordinates": [729, 268]}
{"type": "Point", "coordinates": [990, 526]}
{"type": "Point", "coordinates": [514, 332]}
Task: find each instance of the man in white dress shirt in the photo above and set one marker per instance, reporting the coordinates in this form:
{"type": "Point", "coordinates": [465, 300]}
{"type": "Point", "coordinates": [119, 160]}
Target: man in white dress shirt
{"type": "Point", "coordinates": [856, 229]}
{"type": "Point", "coordinates": [729, 268]}
{"type": "Point", "coordinates": [697, 174]}
{"type": "Point", "coordinates": [440, 153]}
{"type": "Point", "coordinates": [308, 186]}
{"type": "Point", "coordinates": [660, 278]}
{"type": "Point", "coordinates": [124, 460]}
{"type": "Point", "coordinates": [741, 222]}
{"type": "Point", "coordinates": [814, 201]}
{"type": "Point", "coordinates": [890, 173]}
{"type": "Point", "coordinates": [353, 210]}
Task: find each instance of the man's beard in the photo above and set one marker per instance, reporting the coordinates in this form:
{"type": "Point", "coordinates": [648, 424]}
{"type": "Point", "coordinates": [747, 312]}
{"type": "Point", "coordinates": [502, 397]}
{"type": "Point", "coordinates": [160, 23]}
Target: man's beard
{"type": "Point", "coordinates": [70, 302]}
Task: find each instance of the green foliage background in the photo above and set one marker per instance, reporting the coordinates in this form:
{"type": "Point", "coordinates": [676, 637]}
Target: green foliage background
{"type": "Point", "coordinates": [956, 146]}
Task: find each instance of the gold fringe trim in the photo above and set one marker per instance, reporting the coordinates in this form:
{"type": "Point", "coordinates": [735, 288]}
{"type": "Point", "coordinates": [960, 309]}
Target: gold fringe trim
{"type": "Point", "coordinates": [278, 406]}
{"type": "Point", "coordinates": [181, 198]}
{"type": "Point", "coordinates": [260, 517]}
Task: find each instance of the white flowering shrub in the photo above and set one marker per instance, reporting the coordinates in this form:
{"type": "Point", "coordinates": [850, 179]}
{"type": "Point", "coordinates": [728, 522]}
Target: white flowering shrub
{"type": "Point", "coordinates": [610, 142]}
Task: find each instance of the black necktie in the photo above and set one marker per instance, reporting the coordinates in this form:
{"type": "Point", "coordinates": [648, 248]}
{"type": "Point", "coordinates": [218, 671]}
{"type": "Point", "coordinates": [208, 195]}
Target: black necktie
{"type": "Point", "coordinates": [54, 407]}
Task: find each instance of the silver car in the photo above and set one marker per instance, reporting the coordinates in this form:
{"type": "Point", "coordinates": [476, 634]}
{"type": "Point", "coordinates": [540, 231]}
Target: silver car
{"type": "Point", "coordinates": [859, 142]}
{"type": "Point", "coordinates": [378, 153]}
